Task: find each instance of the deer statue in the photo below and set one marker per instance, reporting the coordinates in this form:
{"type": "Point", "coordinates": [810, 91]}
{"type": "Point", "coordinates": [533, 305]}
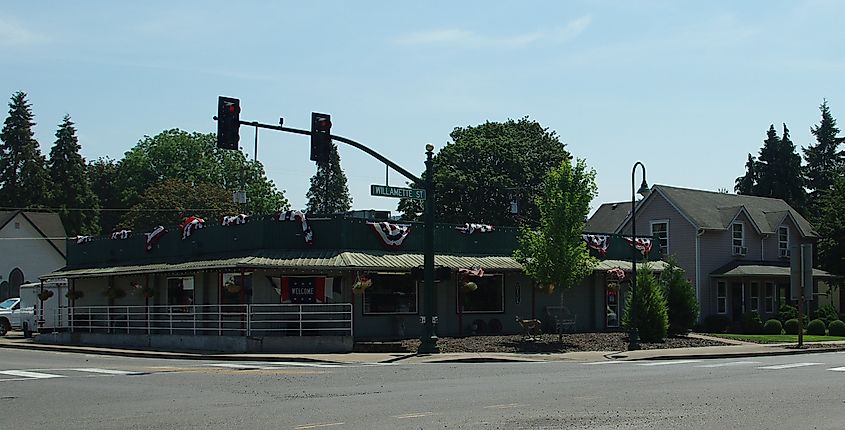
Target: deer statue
{"type": "Point", "coordinates": [530, 328]}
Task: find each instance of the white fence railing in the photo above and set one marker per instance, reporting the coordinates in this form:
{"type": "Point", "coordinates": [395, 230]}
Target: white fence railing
{"type": "Point", "coordinates": [221, 320]}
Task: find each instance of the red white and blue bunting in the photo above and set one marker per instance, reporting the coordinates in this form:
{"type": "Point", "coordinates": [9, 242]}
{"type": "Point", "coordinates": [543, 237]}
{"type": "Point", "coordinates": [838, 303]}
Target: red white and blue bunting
{"type": "Point", "coordinates": [643, 244]}
{"type": "Point", "coordinates": [121, 235]}
{"type": "Point", "coordinates": [469, 228]}
{"type": "Point", "coordinates": [191, 224]}
{"type": "Point", "coordinates": [599, 242]}
{"type": "Point", "coordinates": [234, 220]}
{"type": "Point", "coordinates": [83, 239]}
{"type": "Point", "coordinates": [151, 239]}
{"type": "Point", "coordinates": [391, 235]}
{"type": "Point", "coordinates": [307, 234]}
{"type": "Point", "coordinates": [471, 272]}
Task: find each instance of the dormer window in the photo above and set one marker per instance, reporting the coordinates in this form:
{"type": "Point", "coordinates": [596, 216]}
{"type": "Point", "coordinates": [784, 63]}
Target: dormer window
{"type": "Point", "coordinates": [738, 238]}
{"type": "Point", "coordinates": [783, 241]}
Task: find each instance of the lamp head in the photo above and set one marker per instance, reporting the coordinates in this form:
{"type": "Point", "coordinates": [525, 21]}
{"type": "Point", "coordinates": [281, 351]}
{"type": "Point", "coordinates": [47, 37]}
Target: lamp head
{"type": "Point", "coordinates": [644, 189]}
{"type": "Point", "coordinates": [429, 147]}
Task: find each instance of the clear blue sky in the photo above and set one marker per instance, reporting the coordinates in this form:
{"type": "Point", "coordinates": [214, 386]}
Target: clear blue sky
{"type": "Point", "coordinates": [689, 88]}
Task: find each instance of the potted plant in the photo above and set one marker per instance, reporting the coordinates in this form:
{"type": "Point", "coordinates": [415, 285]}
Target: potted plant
{"type": "Point", "coordinates": [362, 283]}
{"type": "Point", "coordinates": [45, 294]}
{"type": "Point", "coordinates": [232, 287]}
{"type": "Point", "coordinates": [470, 286]}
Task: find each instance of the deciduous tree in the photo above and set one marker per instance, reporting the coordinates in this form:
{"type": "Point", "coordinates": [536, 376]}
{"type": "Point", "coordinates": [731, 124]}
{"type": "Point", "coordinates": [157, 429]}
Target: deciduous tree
{"type": "Point", "coordinates": [172, 200]}
{"type": "Point", "coordinates": [102, 175]}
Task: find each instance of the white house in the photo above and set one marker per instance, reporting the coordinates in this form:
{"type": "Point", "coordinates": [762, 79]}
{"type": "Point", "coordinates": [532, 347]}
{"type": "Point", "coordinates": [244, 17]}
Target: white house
{"type": "Point", "coordinates": [31, 244]}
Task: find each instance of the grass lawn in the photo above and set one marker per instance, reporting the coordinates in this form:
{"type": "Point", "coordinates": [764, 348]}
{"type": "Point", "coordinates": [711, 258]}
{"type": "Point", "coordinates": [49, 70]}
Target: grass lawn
{"type": "Point", "coordinates": [775, 338]}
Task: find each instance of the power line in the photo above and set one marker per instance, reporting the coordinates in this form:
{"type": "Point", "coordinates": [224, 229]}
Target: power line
{"type": "Point", "coordinates": [48, 209]}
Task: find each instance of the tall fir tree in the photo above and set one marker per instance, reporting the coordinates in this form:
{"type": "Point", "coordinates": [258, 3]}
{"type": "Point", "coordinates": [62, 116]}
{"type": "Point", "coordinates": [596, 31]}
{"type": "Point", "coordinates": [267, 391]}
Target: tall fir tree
{"type": "Point", "coordinates": [831, 227]}
{"type": "Point", "coordinates": [745, 184]}
{"type": "Point", "coordinates": [823, 159]}
{"type": "Point", "coordinates": [73, 198]}
{"type": "Point", "coordinates": [23, 169]}
{"type": "Point", "coordinates": [328, 193]}
{"type": "Point", "coordinates": [102, 175]}
{"type": "Point", "coordinates": [779, 172]}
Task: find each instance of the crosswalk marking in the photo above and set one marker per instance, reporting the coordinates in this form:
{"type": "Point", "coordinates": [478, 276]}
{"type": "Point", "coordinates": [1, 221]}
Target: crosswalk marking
{"type": "Point", "coordinates": [668, 362]}
{"type": "Point", "coordinates": [838, 369]}
{"type": "Point", "coordinates": [31, 375]}
{"type": "Point", "coordinates": [107, 371]}
{"type": "Point", "coordinates": [788, 366]}
{"type": "Point", "coordinates": [272, 365]}
{"type": "Point", "coordinates": [234, 366]}
{"type": "Point", "coordinates": [593, 363]}
{"type": "Point", "coordinates": [728, 364]}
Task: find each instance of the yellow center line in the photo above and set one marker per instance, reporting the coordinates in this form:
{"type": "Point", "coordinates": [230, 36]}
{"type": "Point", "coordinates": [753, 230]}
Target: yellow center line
{"type": "Point", "coordinates": [313, 426]}
{"type": "Point", "coordinates": [505, 406]}
{"type": "Point", "coordinates": [413, 415]}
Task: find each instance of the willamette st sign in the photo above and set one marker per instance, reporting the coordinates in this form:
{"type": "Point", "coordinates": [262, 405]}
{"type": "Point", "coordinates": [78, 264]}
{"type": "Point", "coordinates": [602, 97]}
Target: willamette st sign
{"type": "Point", "coordinates": [398, 192]}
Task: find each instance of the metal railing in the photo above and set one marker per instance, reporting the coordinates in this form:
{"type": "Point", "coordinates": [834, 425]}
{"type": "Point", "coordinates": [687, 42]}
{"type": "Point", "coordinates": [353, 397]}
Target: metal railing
{"type": "Point", "coordinates": [221, 320]}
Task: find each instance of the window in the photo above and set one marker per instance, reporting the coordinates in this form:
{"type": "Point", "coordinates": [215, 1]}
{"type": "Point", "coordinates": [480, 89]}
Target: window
{"type": "Point", "coordinates": [661, 230]}
{"type": "Point", "coordinates": [770, 297]}
{"type": "Point", "coordinates": [738, 234]}
{"type": "Point", "coordinates": [755, 296]}
{"type": "Point", "coordinates": [391, 294]}
{"type": "Point", "coordinates": [721, 298]}
{"type": "Point", "coordinates": [783, 241]}
{"type": "Point", "coordinates": [488, 297]}
{"type": "Point", "coordinates": [180, 291]}
{"type": "Point", "coordinates": [236, 287]}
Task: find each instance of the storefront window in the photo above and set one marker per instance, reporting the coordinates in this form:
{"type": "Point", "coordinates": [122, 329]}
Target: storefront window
{"type": "Point", "coordinates": [612, 304]}
{"type": "Point", "coordinates": [180, 291]}
{"type": "Point", "coordinates": [391, 294]}
{"type": "Point", "coordinates": [235, 289]}
{"type": "Point", "coordinates": [489, 296]}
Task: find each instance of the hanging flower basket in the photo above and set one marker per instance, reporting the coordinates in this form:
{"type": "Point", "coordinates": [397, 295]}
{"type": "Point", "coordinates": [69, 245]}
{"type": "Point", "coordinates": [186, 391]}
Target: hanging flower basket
{"type": "Point", "coordinates": [362, 284]}
{"type": "Point", "coordinates": [114, 293]}
{"type": "Point", "coordinates": [232, 287]}
{"type": "Point", "coordinates": [44, 295]}
{"type": "Point", "coordinates": [74, 295]}
{"type": "Point", "coordinates": [549, 288]}
{"type": "Point", "coordinates": [470, 286]}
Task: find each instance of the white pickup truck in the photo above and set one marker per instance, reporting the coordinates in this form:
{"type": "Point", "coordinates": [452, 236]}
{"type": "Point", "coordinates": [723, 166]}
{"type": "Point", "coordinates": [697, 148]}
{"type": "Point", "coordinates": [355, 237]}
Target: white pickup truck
{"type": "Point", "coordinates": [12, 317]}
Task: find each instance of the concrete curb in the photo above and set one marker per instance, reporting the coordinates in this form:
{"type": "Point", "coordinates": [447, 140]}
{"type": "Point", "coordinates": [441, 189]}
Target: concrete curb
{"type": "Point", "coordinates": [735, 354]}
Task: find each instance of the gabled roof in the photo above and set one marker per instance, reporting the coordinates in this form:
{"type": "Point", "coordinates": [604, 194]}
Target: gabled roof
{"type": "Point", "coordinates": [607, 217]}
{"type": "Point", "coordinates": [49, 225]}
{"type": "Point", "coordinates": [712, 210]}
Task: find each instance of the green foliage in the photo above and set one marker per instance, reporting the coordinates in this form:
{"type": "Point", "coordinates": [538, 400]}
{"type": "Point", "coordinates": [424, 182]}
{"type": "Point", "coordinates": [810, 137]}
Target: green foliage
{"type": "Point", "coordinates": [23, 169]}
{"type": "Point", "coordinates": [776, 172]}
{"type": "Point", "coordinates": [745, 184]}
{"type": "Point", "coordinates": [72, 197]}
{"type": "Point", "coordinates": [554, 253]}
{"type": "Point", "coordinates": [787, 312]}
{"type": "Point", "coordinates": [486, 166]}
{"type": "Point", "coordinates": [831, 227]}
{"type": "Point", "coordinates": [716, 323]}
{"type": "Point", "coordinates": [172, 200]}
{"type": "Point", "coordinates": [652, 317]}
{"type": "Point", "coordinates": [751, 323]}
{"type": "Point", "coordinates": [836, 328]}
{"type": "Point", "coordinates": [816, 327]}
{"type": "Point", "coordinates": [328, 193]}
{"type": "Point", "coordinates": [827, 313]}
{"type": "Point", "coordinates": [773, 326]}
{"type": "Point", "coordinates": [102, 175]}
{"type": "Point", "coordinates": [824, 159]}
{"type": "Point", "coordinates": [680, 298]}
{"type": "Point", "coordinates": [791, 326]}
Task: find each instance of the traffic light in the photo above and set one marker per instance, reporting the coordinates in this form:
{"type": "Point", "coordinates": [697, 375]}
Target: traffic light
{"type": "Point", "coordinates": [321, 137]}
{"type": "Point", "coordinates": [228, 122]}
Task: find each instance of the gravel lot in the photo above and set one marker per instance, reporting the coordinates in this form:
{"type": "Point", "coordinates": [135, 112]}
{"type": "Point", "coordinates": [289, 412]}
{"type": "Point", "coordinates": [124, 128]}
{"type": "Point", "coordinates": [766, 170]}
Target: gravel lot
{"type": "Point", "coordinates": [549, 343]}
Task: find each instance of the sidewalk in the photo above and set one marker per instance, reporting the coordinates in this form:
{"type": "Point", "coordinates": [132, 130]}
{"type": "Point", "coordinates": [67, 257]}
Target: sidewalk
{"type": "Point", "coordinates": [735, 349]}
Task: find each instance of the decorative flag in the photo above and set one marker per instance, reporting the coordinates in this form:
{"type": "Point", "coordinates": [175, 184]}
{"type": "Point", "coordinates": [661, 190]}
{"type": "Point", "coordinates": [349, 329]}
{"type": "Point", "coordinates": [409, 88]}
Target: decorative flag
{"type": "Point", "coordinates": [474, 272]}
{"type": "Point", "coordinates": [122, 234]}
{"type": "Point", "coordinates": [302, 290]}
{"type": "Point", "coordinates": [598, 242]}
{"type": "Point", "coordinates": [307, 234]}
{"type": "Point", "coordinates": [153, 237]}
{"type": "Point", "coordinates": [616, 273]}
{"type": "Point", "coordinates": [391, 235]}
{"type": "Point", "coordinates": [472, 228]}
{"type": "Point", "coordinates": [643, 244]}
{"type": "Point", "coordinates": [234, 220]}
{"type": "Point", "coordinates": [83, 239]}
{"type": "Point", "coordinates": [190, 224]}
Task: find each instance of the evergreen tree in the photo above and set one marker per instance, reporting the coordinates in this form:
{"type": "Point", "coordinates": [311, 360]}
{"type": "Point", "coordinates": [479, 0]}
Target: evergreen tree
{"type": "Point", "coordinates": [328, 193]}
{"type": "Point", "coordinates": [779, 173]}
{"type": "Point", "coordinates": [745, 184]}
{"type": "Point", "coordinates": [831, 227]}
{"type": "Point", "coordinates": [652, 316]}
{"type": "Point", "coordinates": [824, 158]}
{"type": "Point", "coordinates": [73, 197]}
{"type": "Point", "coordinates": [102, 175]}
{"type": "Point", "coordinates": [23, 169]}
{"type": "Point", "coordinates": [682, 305]}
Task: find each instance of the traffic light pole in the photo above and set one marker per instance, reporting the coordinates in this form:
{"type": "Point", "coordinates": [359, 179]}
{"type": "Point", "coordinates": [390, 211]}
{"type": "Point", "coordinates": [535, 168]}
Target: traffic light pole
{"type": "Point", "coordinates": [428, 339]}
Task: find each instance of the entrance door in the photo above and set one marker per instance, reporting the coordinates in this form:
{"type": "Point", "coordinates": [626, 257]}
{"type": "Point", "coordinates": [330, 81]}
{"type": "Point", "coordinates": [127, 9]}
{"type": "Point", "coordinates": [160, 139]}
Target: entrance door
{"type": "Point", "coordinates": [736, 301]}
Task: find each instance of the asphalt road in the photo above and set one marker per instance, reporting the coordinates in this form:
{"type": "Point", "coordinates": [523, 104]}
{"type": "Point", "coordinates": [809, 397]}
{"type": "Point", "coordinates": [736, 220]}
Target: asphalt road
{"type": "Point", "coordinates": [47, 390]}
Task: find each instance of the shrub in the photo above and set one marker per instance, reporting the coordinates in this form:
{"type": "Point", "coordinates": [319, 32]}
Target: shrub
{"type": "Point", "coordinates": [827, 313]}
{"type": "Point", "coordinates": [816, 327]}
{"type": "Point", "coordinates": [773, 326]}
{"type": "Point", "coordinates": [791, 326]}
{"type": "Point", "coordinates": [836, 328]}
{"type": "Point", "coordinates": [716, 323]}
{"type": "Point", "coordinates": [787, 312]}
{"type": "Point", "coordinates": [652, 317]}
{"type": "Point", "coordinates": [682, 305]}
{"type": "Point", "coordinates": [751, 323]}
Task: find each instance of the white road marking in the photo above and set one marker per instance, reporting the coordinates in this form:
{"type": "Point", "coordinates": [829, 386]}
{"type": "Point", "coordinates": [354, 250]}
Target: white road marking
{"type": "Point", "coordinates": [505, 406]}
{"type": "Point", "coordinates": [106, 371]}
{"type": "Point", "coordinates": [413, 415]}
{"type": "Point", "coordinates": [235, 366]}
{"type": "Point", "coordinates": [788, 366]}
{"type": "Point", "coordinates": [313, 426]}
{"type": "Point", "coordinates": [30, 375]}
{"type": "Point", "coordinates": [838, 369]}
{"type": "Point", "coordinates": [732, 363]}
{"type": "Point", "coordinates": [668, 362]}
{"type": "Point", "coordinates": [592, 363]}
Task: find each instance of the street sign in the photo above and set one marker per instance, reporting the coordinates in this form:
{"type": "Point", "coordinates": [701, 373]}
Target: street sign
{"type": "Point", "coordinates": [398, 192]}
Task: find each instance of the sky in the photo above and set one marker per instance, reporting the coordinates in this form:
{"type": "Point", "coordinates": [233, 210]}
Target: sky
{"type": "Point", "coordinates": [687, 87]}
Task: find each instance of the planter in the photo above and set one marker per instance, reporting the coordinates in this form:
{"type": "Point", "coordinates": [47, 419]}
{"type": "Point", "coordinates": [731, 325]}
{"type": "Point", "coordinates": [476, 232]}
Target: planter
{"type": "Point", "coordinates": [44, 295]}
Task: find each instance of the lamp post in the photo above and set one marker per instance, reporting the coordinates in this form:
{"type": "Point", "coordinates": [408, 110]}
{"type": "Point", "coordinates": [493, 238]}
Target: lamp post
{"type": "Point", "coordinates": [428, 340]}
{"type": "Point", "coordinates": [634, 335]}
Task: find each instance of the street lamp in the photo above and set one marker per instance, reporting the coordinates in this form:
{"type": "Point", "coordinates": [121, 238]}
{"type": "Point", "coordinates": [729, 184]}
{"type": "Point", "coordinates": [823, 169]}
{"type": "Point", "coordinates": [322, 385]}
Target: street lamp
{"type": "Point", "coordinates": [428, 340]}
{"type": "Point", "coordinates": [634, 335]}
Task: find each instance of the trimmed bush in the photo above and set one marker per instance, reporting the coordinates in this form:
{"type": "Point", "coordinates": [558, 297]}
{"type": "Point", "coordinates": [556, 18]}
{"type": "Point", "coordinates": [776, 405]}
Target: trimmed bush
{"type": "Point", "coordinates": [816, 327]}
{"type": "Point", "coordinates": [751, 323]}
{"type": "Point", "coordinates": [716, 323]}
{"type": "Point", "coordinates": [791, 326]}
{"type": "Point", "coordinates": [827, 313]}
{"type": "Point", "coordinates": [836, 328]}
{"type": "Point", "coordinates": [787, 312]}
{"type": "Point", "coordinates": [681, 302]}
{"type": "Point", "coordinates": [652, 317]}
{"type": "Point", "coordinates": [773, 326]}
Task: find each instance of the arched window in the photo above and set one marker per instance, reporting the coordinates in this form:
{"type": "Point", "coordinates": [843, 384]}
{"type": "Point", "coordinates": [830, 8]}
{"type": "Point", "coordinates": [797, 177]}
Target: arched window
{"type": "Point", "coordinates": [15, 280]}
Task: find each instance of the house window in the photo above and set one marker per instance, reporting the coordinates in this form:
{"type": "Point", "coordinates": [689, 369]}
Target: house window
{"type": "Point", "coordinates": [755, 296]}
{"type": "Point", "coordinates": [661, 230]}
{"type": "Point", "coordinates": [721, 298]}
{"type": "Point", "coordinates": [783, 241]}
{"type": "Point", "coordinates": [236, 287]}
{"type": "Point", "coordinates": [770, 297]}
{"type": "Point", "coordinates": [738, 238]}
{"type": "Point", "coordinates": [391, 294]}
{"type": "Point", "coordinates": [180, 291]}
{"type": "Point", "coordinates": [489, 296]}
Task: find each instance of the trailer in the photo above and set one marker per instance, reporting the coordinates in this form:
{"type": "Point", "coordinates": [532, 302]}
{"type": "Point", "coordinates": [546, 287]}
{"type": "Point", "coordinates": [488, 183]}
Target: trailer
{"type": "Point", "coordinates": [52, 311]}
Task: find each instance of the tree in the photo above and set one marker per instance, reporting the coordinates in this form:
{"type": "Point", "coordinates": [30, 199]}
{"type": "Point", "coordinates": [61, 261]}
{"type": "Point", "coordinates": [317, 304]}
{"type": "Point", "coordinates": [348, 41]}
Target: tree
{"type": "Point", "coordinates": [328, 193]}
{"type": "Point", "coordinates": [23, 169]}
{"type": "Point", "coordinates": [652, 317]}
{"type": "Point", "coordinates": [831, 227]}
{"type": "Point", "coordinates": [682, 305]}
{"type": "Point", "coordinates": [485, 167]}
{"type": "Point", "coordinates": [75, 201]}
{"type": "Point", "coordinates": [824, 158]}
{"type": "Point", "coordinates": [555, 253]}
{"type": "Point", "coordinates": [779, 173]}
{"type": "Point", "coordinates": [170, 201]}
{"type": "Point", "coordinates": [745, 184]}
{"type": "Point", "coordinates": [102, 175]}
